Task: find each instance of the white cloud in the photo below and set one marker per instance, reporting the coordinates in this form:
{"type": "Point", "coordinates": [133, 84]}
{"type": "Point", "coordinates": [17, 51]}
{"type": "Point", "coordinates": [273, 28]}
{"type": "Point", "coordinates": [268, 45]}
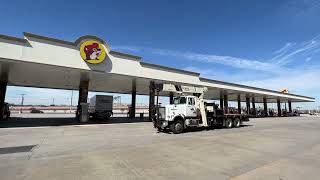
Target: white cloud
{"type": "Point", "coordinates": [222, 75]}
{"type": "Point", "coordinates": [291, 52]}
{"type": "Point", "coordinates": [308, 59]}
{"type": "Point", "coordinates": [126, 48]}
{"type": "Point", "coordinates": [236, 62]}
{"type": "Point", "coordinates": [286, 54]}
{"type": "Point", "coordinates": [284, 49]}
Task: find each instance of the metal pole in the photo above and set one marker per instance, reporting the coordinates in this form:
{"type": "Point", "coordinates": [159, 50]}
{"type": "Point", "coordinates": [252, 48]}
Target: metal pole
{"type": "Point", "coordinates": [22, 101]}
{"type": "Point", "coordinates": [71, 101]}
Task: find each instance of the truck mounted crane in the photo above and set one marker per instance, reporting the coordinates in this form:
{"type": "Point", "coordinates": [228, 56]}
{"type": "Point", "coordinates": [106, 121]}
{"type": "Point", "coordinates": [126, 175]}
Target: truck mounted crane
{"type": "Point", "coordinates": [190, 110]}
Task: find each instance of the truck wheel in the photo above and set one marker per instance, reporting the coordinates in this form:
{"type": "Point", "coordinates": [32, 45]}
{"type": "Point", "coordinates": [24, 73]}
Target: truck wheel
{"type": "Point", "coordinates": [107, 117]}
{"type": "Point", "coordinates": [236, 122]}
{"type": "Point", "coordinates": [228, 123]}
{"type": "Point", "coordinates": [177, 127]}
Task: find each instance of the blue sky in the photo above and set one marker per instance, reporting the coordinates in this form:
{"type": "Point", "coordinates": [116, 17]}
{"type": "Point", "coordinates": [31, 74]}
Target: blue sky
{"type": "Point", "coordinates": [269, 44]}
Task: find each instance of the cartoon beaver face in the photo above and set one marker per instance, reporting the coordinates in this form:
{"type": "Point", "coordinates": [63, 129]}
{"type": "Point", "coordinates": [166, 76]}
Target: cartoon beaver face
{"type": "Point", "coordinates": [92, 51]}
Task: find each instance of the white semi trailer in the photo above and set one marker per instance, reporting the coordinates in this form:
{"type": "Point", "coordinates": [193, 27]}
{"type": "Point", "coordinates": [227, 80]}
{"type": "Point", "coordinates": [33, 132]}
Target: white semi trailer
{"type": "Point", "coordinates": [190, 110]}
{"type": "Point", "coordinates": [100, 107]}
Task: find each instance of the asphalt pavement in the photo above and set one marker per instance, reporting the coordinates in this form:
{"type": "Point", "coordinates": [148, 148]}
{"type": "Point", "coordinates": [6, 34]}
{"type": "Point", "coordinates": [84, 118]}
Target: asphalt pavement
{"type": "Point", "coordinates": [58, 147]}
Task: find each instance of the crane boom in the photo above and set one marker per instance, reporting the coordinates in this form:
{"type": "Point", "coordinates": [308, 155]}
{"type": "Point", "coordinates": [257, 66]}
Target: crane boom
{"type": "Point", "coordinates": [182, 89]}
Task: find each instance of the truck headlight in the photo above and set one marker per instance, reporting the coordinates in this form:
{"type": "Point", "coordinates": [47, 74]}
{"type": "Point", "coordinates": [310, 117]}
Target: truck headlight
{"type": "Point", "coordinates": [164, 123]}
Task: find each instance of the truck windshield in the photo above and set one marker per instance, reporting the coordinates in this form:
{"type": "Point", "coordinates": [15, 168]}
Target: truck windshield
{"type": "Point", "coordinates": [179, 100]}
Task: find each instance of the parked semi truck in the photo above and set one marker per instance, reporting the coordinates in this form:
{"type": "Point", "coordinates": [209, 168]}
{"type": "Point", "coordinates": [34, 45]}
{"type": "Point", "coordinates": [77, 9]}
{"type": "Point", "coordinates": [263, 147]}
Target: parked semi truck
{"type": "Point", "coordinates": [100, 107]}
{"type": "Point", "coordinates": [190, 110]}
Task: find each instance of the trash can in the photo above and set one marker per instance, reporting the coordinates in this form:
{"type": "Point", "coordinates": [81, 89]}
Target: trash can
{"type": "Point", "coordinates": [84, 114]}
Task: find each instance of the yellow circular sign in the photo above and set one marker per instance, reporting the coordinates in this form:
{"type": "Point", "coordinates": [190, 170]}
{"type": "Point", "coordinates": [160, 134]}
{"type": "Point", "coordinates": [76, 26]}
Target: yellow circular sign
{"type": "Point", "coordinates": [92, 52]}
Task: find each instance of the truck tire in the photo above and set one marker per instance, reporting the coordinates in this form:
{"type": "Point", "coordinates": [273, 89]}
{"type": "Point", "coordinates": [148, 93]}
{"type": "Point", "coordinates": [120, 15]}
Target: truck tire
{"type": "Point", "coordinates": [107, 117]}
{"type": "Point", "coordinates": [236, 122]}
{"type": "Point", "coordinates": [177, 127]}
{"type": "Point", "coordinates": [228, 123]}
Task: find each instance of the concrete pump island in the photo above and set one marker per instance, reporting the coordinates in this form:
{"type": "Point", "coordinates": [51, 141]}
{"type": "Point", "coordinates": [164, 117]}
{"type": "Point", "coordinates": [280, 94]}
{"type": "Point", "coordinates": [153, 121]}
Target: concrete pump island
{"type": "Point", "coordinates": [242, 143]}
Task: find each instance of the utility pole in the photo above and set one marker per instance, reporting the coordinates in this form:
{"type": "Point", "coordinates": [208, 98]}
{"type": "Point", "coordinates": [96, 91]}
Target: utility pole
{"type": "Point", "coordinates": [22, 101]}
{"type": "Point", "coordinates": [71, 101]}
{"type": "Point", "coordinates": [53, 101]}
{"type": "Point", "coordinates": [118, 98]}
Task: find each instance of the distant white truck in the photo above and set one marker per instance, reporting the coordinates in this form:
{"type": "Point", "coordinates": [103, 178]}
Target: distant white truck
{"type": "Point", "coordinates": [100, 107]}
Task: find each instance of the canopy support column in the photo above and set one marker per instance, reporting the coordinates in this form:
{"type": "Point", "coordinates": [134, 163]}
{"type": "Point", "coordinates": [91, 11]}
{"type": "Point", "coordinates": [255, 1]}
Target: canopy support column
{"type": "Point", "coordinates": [133, 99]}
{"type": "Point", "coordinates": [254, 111]}
{"type": "Point", "coordinates": [225, 100]}
{"type": "Point", "coordinates": [3, 90]}
{"type": "Point", "coordinates": [265, 106]}
{"type": "Point", "coordinates": [248, 104]}
{"type": "Point", "coordinates": [290, 106]}
{"type": "Point", "coordinates": [279, 107]}
{"type": "Point", "coordinates": [151, 100]}
{"type": "Point", "coordinates": [239, 104]}
{"type": "Point", "coordinates": [83, 95]}
{"type": "Point", "coordinates": [221, 100]}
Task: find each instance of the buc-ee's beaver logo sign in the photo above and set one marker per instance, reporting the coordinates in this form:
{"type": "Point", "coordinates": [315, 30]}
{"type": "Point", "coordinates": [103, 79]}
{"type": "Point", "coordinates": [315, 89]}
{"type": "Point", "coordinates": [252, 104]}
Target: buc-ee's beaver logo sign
{"type": "Point", "coordinates": [92, 52]}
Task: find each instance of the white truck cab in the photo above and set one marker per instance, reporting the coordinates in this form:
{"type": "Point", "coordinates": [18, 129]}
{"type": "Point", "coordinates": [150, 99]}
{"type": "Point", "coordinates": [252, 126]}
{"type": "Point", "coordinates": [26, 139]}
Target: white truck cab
{"type": "Point", "coordinates": [185, 106]}
{"type": "Point", "coordinates": [186, 110]}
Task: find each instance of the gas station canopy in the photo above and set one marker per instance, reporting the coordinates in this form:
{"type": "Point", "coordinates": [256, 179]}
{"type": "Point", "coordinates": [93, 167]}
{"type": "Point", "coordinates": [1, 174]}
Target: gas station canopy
{"type": "Point", "coordinates": [38, 61]}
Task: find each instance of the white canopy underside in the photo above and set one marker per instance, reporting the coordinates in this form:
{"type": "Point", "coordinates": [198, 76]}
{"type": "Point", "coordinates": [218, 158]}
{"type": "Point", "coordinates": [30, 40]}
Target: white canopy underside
{"type": "Point", "coordinates": [48, 76]}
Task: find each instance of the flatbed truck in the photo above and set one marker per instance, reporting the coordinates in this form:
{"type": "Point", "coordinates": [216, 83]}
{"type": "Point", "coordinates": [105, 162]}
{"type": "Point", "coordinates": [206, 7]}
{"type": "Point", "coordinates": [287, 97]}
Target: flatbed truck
{"type": "Point", "coordinates": [191, 111]}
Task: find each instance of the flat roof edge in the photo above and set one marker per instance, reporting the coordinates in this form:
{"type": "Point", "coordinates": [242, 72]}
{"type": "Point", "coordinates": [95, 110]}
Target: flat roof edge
{"type": "Point", "coordinates": [169, 68]}
{"type": "Point", "coordinates": [36, 36]}
{"type": "Point", "coordinates": [116, 53]}
{"type": "Point", "coordinates": [256, 88]}
{"type": "Point", "coordinates": [14, 39]}
{"type": "Point", "coordinates": [27, 34]}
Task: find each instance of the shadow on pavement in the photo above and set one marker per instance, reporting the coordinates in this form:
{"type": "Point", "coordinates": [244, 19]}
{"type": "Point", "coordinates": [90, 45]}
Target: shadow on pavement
{"type": "Point", "coordinates": [15, 122]}
{"type": "Point", "coordinates": [196, 129]}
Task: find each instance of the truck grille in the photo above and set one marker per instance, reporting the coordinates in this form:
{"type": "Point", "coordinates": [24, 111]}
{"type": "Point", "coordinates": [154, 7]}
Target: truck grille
{"type": "Point", "coordinates": [162, 112]}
